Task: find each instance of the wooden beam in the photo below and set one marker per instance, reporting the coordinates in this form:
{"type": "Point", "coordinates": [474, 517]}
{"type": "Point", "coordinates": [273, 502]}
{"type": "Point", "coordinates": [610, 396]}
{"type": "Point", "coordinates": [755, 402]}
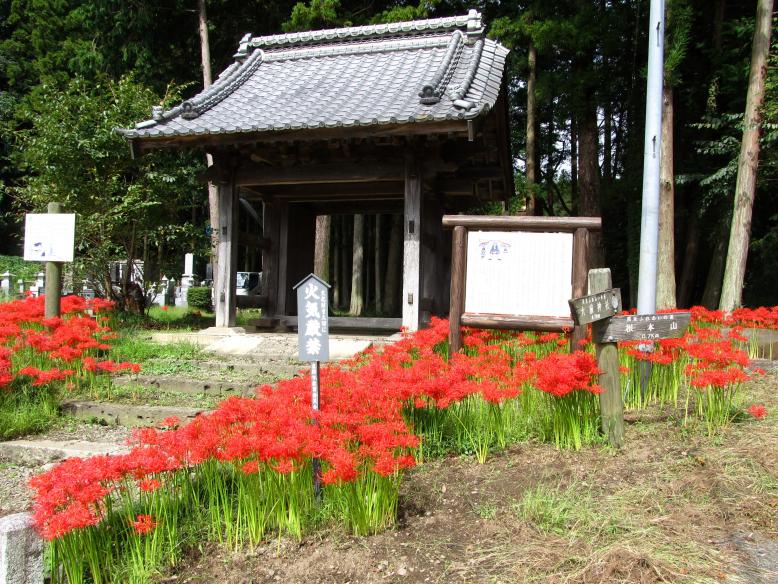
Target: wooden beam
{"type": "Point", "coordinates": [523, 223]}
{"type": "Point", "coordinates": [412, 244]}
{"type": "Point", "coordinates": [353, 323]}
{"type": "Point", "coordinates": [451, 127]}
{"type": "Point", "coordinates": [333, 191]}
{"type": "Point", "coordinates": [319, 174]}
{"type": "Point", "coordinates": [523, 323]}
{"type": "Point", "coordinates": [350, 207]}
{"type": "Point", "coordinates": [228, 256]}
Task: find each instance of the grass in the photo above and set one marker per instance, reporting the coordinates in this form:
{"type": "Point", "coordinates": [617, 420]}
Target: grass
{"type": "Point", "coordinates": [26, 411]}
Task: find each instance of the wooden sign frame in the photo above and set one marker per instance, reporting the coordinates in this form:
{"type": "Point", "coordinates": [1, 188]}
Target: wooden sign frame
{"type": "Point", "coordinates": [463, 224]}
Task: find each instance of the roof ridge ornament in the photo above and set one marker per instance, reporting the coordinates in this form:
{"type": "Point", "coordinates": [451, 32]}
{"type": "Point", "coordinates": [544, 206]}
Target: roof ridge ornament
{"type": "Point", "coordinates": [243, 47]}
{"type": "Point", "coordinates": [457, 94]}
{"type": "Point", "coordinates": [432, 91]}
{"type": "Point", "coordinates": [225, 84]}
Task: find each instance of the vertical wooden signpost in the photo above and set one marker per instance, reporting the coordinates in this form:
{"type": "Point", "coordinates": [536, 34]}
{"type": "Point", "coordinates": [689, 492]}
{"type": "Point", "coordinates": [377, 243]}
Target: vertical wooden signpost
{"type": "Point", "coordinates": [599, 309]}
{"type": "Point", "coordinates": [313, 341]}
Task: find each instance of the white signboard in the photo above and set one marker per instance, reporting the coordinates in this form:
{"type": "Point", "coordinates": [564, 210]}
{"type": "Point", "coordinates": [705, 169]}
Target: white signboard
{"type": "Point", "coordinates": [49, 237]}
{"type": "Point", "coordinates": [313, 319]}
{"type": "Point", "coordinates": [519, 273]}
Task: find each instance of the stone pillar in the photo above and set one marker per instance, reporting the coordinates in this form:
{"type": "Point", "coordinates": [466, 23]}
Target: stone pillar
{"type": "Point", "coordinates": [411, 244]}
{"type": "Point", "coordinates": [5, 283]}
{"type": "Point", "coordinates": [20, 283]}
{"type": "Point", "coordinates": [40, 283]}
{"type": "Point", "coordinates": [187, 279]}
{"type": "Point", "coordinates": [225, 281]}
{"type": "Point", "coordinates": [21, 551]}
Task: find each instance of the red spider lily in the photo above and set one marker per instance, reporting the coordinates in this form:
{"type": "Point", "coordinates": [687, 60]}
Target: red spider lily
{"type": "Point", "coordinates": [757, 411]}
{"type": "Point", "coordinates": [143, 524]}
{"type": "Point", "coordinates": [560, 373]}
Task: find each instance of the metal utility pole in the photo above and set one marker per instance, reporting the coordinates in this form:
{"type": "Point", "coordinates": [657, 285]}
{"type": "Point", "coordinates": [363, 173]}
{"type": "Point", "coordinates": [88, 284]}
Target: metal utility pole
{"type": "Point", "coordinates": [649, 223]}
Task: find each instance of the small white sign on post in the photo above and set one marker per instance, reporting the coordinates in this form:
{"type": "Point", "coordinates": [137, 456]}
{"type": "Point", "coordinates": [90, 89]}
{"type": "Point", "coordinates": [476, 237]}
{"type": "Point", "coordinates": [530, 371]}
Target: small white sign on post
{"type": "Point", "coordinates": [313, 335]}
{"type": "Point", "coordinates": [49, 237]}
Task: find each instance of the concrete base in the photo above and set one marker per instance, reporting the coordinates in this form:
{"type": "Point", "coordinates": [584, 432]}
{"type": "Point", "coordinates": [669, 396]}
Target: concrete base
{"type": "Point", "coordinates": [21, 551]}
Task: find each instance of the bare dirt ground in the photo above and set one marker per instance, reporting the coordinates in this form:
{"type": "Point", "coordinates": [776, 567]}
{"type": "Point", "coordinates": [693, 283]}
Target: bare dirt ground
{"type": "Point", "coordinates": [673, 506]}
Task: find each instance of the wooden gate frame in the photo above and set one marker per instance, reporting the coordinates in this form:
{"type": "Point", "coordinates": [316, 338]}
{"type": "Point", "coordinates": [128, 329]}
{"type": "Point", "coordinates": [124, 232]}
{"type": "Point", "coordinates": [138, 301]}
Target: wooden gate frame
{"type": "Point", "coordinates": [462, 224]}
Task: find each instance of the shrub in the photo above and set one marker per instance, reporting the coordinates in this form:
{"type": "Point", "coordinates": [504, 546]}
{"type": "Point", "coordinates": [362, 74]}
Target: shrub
{"type": "Point", "coordinates": [199, 297]}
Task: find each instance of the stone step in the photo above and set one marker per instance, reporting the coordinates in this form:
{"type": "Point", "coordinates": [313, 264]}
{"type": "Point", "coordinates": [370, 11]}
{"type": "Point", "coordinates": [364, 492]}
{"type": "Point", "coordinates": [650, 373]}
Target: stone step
{"type": "Point", "coordinates": [189, 386]}
{"type": "Point", "coordinates": [129, 415]}
{"type": "Point", "coordinates": [37, 452]}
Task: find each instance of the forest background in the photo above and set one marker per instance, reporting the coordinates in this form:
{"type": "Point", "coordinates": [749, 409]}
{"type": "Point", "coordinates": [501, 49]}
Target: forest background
{"type": "Point", "coordinates": [72, 70]}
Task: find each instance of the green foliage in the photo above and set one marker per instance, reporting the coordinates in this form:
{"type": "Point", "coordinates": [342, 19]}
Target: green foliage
{"type": "Point", "coordinates": [199, 297]}
{"type": "Point", "coordinates": [19, 268]}
{"type": "Point", "coordinates": [29, 410]}
{"type": "Point", "coordinates": [73, 155]}
{"type": "Point", "coordinates": [317, 14]}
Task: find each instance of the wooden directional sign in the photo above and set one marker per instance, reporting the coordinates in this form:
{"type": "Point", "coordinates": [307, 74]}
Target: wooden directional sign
{"type": "Point", "coordinates": [641, 327]}
{"type": "Point", "coordinates": [313, 319]}
{"type": "Point", "coordinates": [595, 306]}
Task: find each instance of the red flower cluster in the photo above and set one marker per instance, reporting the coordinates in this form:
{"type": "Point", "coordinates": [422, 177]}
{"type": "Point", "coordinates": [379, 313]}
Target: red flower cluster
{"type": "Point", "coordinates": [143, 524]}
{"type": "Point", "coordinates": [757, 411]}
{"type": "Point", "coordinates": [562, 373]}
{"type": "Point", "coordinates": [53, 349]}
{"type": "Point", "coordinates": [359, 428]}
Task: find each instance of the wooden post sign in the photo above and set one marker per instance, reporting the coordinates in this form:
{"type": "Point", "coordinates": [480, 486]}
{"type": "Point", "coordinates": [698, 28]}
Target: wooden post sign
{"type": "Point", "coordinates": [600, 308]}
{"type": "Point", "coordinates": [313, 340]}
{"type": "Point", "coordinates": [596, 306]}
{"type": "Point", "coordinates": [49, 237]}
{"type": "Point", "coordinates": [642, 327]}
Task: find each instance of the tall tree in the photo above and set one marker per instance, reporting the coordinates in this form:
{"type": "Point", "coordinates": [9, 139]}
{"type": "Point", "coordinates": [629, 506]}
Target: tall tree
{"type": "Point", "coordinates": [745, 189]}
{"type": "Point", "coordinates": [676, 39]}
{"type": "Point", "coordinates": [357, 269]}
{"type": "Point", "coordinates": [321, 256]}
{"type": "Point", "coordinates": [531, 162]}
{"type": "Point", "coordinates": [213, 190]}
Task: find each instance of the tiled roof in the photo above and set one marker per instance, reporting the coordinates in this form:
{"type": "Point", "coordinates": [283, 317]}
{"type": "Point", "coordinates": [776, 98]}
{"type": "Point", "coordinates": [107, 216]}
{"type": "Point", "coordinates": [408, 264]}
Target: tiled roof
{"type": "Point", "coordinates": [419, 71]}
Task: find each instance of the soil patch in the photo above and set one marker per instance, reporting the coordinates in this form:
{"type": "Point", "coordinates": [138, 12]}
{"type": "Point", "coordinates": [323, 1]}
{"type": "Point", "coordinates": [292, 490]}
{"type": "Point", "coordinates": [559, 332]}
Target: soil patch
{"type": "Point", "coordinates": [675, 505]}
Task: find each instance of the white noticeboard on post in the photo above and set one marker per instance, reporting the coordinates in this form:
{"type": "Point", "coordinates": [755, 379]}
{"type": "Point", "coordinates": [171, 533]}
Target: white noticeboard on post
{"type": "Point", "coordinates": [49, 237]}
{"type": "Point", "coordinates": [519, 273]}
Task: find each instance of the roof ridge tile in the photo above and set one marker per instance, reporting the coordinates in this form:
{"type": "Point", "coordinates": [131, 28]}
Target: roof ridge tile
{"type": "Point", "coordinates": [470, 22]}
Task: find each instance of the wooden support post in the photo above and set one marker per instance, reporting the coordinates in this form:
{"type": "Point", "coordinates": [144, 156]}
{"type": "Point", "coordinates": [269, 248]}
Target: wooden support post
{"type": "Point", "coordinates": [580, 267]}
{"type": "Point", "coordinates": [228, 256]}
{"type": "Point", "coordinates": [282, 279]}
{"type": "Point", "coordinates": [53, 285]}
{"type": "Point", "coordinates": [270, 224]}
{"type": "Point", "coordinates": [611, 407]}
{"type": "Point", "coordinates": [458, 271]}
{"type": "Point", "coordinates": [411, 244]}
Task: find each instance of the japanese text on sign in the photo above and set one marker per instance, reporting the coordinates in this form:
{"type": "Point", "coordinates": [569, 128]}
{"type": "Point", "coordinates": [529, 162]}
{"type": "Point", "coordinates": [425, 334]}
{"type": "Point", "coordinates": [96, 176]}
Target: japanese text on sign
{"type": "Point", "coordinates": [312, 319]}
{"type": "Point", "coordinates": [642, 327]}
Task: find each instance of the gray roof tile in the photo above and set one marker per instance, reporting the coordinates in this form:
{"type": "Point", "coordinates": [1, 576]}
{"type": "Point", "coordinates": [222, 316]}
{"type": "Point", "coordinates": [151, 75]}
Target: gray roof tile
{"type": "Point", "coordinates": [438, 69]}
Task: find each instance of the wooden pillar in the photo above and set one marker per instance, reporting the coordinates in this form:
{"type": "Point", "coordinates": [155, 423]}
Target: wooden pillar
{"type": "Point", "coordinates": [458, 270]}
{"type": "Point", "coordinates": [411, 244]}
{"type": "Point", "coordinates": [282, 285]}
{"type": "Point", "coordinates": [580, 270]}
{"type": "Point", "coordinates": [270, 229]}
{"type": "Point", "coordinates": [228, 255]}
{"type": "Point", "coordinates": [611, 406]}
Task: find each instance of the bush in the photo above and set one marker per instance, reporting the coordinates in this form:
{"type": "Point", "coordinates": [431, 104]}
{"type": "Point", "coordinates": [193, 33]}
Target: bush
{"type": "Point", "coordinates": [199, 297]}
